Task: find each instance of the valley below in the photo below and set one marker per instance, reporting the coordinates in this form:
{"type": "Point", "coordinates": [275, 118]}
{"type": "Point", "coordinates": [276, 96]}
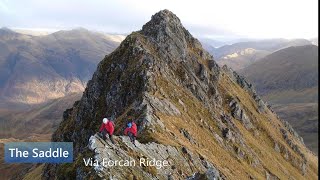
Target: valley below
{"type": "Point", "coordinates": [34, 123]}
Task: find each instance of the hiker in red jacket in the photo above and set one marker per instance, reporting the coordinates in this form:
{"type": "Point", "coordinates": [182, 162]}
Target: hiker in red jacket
{"type": "Point", "coordinates": [107, 127]}
{"type": "Point", "coordinates": [131, 131]}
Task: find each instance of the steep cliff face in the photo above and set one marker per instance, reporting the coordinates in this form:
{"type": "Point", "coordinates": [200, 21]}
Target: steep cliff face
{"type": "Point", "coordinates": [206, 121]}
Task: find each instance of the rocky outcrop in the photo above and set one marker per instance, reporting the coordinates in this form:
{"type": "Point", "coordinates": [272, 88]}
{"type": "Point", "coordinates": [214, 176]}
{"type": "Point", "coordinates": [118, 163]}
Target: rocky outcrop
{"type": "Point", "coordinates": [290, 142]}
{"type": "Point", "coordinates": [271, 176]}
{"type": "Point", "coordinates": [205, 122]}
{"type": "Point", "coordinates": [211, 173]}
{"type": "Point", "coordinates": [241, 81]}
{"type": "Point", "coordinates": [228, 134]}
{"type": "Point", "coordinates": [187, 135]}
{"type": "Point", "coordinates": [239, 113]}
{"type": "Point", "coordinates": [164, 165]}
{"type": "Point", "coordinates": [292, 131]}
{"type": "Point", "coordinates": [276, 147]}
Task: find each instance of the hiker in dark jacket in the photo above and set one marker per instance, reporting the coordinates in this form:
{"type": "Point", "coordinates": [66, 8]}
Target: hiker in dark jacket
{"type": "Point", "coordinates": [131, 131]}
{"type": "Point", "coordinates": [107, 127]}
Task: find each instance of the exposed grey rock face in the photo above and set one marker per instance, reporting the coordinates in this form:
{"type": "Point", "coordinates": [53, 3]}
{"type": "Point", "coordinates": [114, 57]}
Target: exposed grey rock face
{"type": "Point", "coordinates": [105, 152]}
{"type": "Point", "coordinates": [187, 135]}
{"type": "Point", "coordinates": [271, 176]}
{"type": "Point", "coordinates": [210, 174]}
{"type": "Point", "coordinates": [290, 142]}
{"type": "Point", "coordinates": [163, 105]}
{"type": "Point", "coordinates": [276, 147]}
{"type": "Point", "coordinates": [247, 86]}
{"type": "Point", "coordinates": [239, 79]}
{"type": "Point", "coordinates": [292, 131]}
{"type": "Point", "coordinates": [229, 135]}
{"type": "Point", "coordinates": [239, 113]}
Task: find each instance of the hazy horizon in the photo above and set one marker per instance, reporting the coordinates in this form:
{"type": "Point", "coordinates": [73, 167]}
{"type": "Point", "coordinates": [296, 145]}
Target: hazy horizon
{"type": "Point", "coordinates": [217, 20]}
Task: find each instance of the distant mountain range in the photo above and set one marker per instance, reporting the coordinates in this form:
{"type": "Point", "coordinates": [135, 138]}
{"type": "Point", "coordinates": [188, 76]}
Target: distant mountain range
{"type": "Point", "coordinates": [242, 54]}
{"type": "Point", "coordinates": [35, 69]}
{"type": "Point", "coordinates": [288, 79]}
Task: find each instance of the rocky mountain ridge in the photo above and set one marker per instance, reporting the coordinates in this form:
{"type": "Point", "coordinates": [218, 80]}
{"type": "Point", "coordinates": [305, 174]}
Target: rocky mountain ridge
{"type": "Point", "coordinates": [187, 108]}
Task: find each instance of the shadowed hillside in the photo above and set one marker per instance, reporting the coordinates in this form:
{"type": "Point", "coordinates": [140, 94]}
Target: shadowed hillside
{"type": "Point", "coordinates": [35, 69]}
{"type": "Point", "coordinates": [288, 79]}
{"type": "Point", "coordinates": [30, 125]}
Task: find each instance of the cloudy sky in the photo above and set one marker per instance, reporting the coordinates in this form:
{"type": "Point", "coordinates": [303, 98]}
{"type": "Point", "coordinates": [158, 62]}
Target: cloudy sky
{"type": "Point", "coordinates": [211, 18]}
